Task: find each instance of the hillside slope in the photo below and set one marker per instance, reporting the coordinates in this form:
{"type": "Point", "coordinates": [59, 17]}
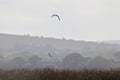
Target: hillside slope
{"type": "Point", "coordinates": [10, 44]}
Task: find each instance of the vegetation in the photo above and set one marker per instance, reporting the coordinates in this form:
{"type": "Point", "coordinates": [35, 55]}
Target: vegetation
{"type": "Point", "coordinates": [49, 74]}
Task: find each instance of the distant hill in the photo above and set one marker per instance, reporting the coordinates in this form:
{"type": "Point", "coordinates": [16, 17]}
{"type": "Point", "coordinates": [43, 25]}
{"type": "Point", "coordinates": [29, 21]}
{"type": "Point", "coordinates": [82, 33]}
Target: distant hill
{"type": "Point", "coordinates": [113, 42]}
{"type": "Point", "coordinates": [16, 44]}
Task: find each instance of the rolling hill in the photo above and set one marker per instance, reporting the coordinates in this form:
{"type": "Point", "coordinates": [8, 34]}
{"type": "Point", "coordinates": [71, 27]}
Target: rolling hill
{"type": "Point", "coordinates": [12, 44]}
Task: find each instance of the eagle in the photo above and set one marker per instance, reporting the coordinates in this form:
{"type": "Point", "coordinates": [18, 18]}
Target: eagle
{"type": "Point", "coordinates": [55, 15]}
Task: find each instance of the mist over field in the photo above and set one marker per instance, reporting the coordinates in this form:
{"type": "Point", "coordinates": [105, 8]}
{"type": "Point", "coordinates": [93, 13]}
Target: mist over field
{"type": "Point", "coordinates": [59, 40]}
{"type": "Point", "coordinates": [34, 52]}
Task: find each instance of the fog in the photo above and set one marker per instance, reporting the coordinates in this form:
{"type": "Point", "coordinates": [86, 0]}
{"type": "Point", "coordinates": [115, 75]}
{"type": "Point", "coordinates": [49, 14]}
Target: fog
{"type": "Point", "coordinates": [34, 52]}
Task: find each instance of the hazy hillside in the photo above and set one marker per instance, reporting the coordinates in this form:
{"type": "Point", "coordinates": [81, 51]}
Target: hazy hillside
{"type": "Point", "coordinates": [17, 52]}
{"type": "Point", "coordinates": [15, 44]}
{"type": "Point", "coordinates": [113, 42]}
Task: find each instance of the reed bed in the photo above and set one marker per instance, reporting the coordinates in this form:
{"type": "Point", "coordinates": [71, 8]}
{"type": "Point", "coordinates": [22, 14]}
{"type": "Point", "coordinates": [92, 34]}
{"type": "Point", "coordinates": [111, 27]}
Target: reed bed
{"type": "Point", "coordinates": [49, 74]}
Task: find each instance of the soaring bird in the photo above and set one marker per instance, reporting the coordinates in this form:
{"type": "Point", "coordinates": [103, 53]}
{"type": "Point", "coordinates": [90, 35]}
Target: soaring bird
{"type": "Point", "coordinates": [55, 15]}
{"type": "Point", "coordinates": [49, 55]}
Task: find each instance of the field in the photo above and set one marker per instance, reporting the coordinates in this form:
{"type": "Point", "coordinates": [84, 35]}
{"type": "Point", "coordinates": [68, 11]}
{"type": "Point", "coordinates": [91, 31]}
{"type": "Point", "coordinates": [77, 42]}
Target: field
{"type": "Point", "coordinates": [48, 74]}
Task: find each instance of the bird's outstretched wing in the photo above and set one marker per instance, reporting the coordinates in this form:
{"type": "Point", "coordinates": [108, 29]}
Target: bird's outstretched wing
{"type": "Point", "coordinates": [55, 15]}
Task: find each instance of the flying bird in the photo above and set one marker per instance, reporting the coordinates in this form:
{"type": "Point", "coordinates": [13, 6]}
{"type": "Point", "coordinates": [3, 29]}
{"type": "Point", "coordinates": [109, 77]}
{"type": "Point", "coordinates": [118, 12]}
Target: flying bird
{"type": "Point", "coordinates": [49, 55]}
{"type": "Point", "coordinates": [55, 15]}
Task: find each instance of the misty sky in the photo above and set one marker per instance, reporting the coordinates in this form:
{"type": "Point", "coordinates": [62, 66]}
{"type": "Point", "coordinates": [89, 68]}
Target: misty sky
{"type": "Point", "coordinates": [80, 19]}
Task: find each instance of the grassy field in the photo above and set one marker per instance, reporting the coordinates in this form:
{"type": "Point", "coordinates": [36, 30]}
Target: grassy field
{"type": "Point", "coordinates": [48, 74]}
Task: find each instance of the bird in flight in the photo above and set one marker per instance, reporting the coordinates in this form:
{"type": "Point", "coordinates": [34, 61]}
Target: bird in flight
{"type": "Point", "coordinates": [55, 15]}
{"type": "Point", "coordinates": [49, 55]}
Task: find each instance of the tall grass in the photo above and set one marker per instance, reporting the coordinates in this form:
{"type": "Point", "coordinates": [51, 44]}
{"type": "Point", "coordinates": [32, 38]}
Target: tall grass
{"type": "Point", "coordinates": [49, 74]}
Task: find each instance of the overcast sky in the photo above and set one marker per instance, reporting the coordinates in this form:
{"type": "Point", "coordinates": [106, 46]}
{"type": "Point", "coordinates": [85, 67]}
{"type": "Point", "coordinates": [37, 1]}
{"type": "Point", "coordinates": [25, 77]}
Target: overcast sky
{"type": "Point", "coordinates": [90, 20]}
